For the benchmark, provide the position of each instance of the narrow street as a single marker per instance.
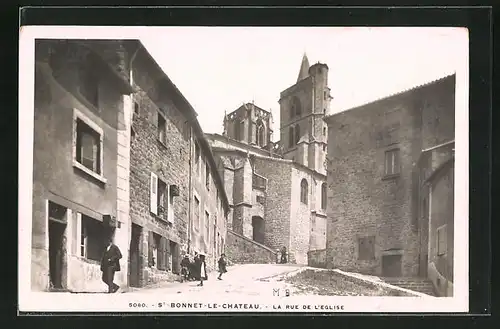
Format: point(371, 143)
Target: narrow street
point(247, 279)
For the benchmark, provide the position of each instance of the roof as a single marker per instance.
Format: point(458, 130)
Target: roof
point(399, 93)
point(246, 106)
point(185, 107)
point(304, 68)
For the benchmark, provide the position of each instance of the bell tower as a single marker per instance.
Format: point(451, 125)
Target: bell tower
point(303, 106)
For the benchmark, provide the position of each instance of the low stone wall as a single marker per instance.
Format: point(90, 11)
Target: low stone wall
point(241, 250)
point(443, 287)
point(154, 276)
point(316, 258)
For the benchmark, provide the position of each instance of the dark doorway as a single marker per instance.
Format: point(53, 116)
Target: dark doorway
point(135, 259)
point(258, 229)
point(174, 250)
point(392, 265)
point(57, 252)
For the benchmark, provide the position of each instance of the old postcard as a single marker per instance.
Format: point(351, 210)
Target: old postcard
point(169, 169)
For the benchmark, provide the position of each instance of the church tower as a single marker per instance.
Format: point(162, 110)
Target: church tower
point(249, 124)
point(303, 106)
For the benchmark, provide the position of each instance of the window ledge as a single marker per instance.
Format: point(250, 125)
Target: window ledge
point(391, 176)
point(89, 172)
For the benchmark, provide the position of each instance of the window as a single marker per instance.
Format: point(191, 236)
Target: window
point(87, 146)
point(162, 129)
point(207, 226)
point(291, 139)
point(136, 108)
point(196, 222)
point(260, 134)
point(441, 241)
point(161, 200)
point(261, 199)
point(303, 191)
point(323, 196)
point(296, 108)
point(93, 238)
point(324, 131)
point(324, 147)
point(392, 162)
point(207, 175)
point(297, 133)
point(325, 95)
point(132, 136)
point(366, 248)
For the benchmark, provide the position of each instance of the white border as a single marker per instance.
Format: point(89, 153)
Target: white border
point(32, 301)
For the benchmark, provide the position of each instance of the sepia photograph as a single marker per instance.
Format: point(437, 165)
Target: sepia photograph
point(243, 169)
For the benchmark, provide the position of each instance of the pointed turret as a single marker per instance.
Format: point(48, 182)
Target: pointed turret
point(304, 68)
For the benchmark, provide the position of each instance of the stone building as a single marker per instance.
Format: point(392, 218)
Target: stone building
point(81, 154)
point(277, 191)
point(390, 185)
point(178, 203)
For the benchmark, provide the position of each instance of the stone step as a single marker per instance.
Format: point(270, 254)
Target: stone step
point(416, 284)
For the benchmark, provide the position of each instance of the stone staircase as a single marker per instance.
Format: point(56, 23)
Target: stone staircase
point(422, 285)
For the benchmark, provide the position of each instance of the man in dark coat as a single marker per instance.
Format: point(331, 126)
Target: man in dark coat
point(222, 266)
point(202, 269)
point(110, 263)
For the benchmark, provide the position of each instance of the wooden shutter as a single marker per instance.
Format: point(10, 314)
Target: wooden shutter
point(168, 256)
point(161, 254)
point(75, 243)
point(153, 199)
point(151, 242)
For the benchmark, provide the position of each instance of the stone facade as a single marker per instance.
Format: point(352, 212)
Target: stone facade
point(243, 250)
point(264, 180)
point(317, 258)
point(374, 169)
point(80, 139)
point(177, 206)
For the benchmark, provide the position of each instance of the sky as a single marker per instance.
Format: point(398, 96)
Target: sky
point(219, 68)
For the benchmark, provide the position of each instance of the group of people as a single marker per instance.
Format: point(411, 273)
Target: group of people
point(191, 270)
point(196, 268)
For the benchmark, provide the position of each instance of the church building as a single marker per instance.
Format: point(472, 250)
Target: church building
point(277, 190)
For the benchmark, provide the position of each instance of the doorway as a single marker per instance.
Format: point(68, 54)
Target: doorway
point(135, 259)
point(258, 229)
point(57, 253)
point(392, 266)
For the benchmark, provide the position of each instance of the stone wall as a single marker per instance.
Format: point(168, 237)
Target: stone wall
point(241, 250)
point(362, 200)
point(316, 258)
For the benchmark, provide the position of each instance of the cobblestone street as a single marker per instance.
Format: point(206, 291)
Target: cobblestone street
point(248, 279)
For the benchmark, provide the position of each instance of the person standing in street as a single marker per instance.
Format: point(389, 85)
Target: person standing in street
point(283, 255)
point(202, 269)
point(185, 268)
point(222, 266)
point(110, 263)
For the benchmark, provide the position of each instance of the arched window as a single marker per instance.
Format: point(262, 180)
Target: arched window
point(297, 133)
point(237, 129)
point(291, 139)
point(260, 134)
point(323, 196)
point(296, 107)
point(303, 191)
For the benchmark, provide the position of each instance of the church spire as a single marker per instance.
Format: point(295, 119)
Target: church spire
point(304, 68)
